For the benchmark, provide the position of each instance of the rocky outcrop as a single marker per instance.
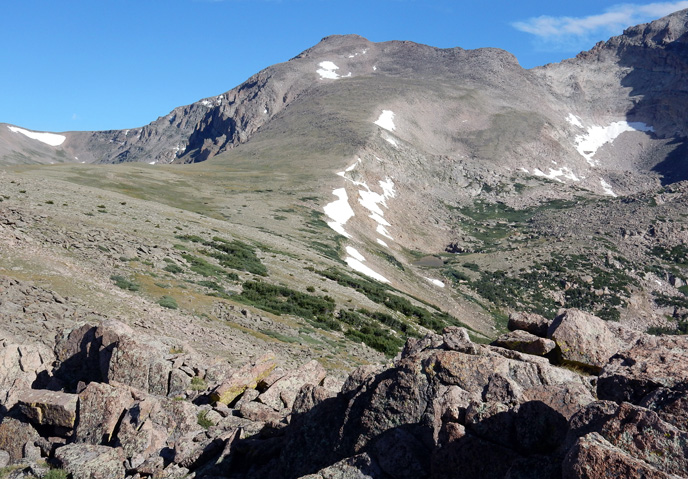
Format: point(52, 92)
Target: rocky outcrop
point(445, 405)
point(651, 363)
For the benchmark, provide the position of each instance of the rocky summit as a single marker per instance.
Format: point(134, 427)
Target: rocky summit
point(375, 260)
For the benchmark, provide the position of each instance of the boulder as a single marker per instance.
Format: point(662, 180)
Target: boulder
point(457, 339)
point(283, 392)
point(529, 322)
point(592, 457)
point(248, 376)
point(653, 362)
point(525, 342)
point(86, 461)
point(256, 411)
point(583, 340)
point(360, 466)
point(112, 352)
point(635, 432)
point(101, 406)
point(310, 396)
point(401, 455)
point(48, 408)
point(14, 434)
point(21, 365)
point(670, 404)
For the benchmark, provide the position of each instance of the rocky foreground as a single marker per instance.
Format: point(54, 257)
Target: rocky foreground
point(574, 397)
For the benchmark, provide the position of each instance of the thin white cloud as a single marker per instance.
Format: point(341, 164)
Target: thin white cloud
point(566, 31)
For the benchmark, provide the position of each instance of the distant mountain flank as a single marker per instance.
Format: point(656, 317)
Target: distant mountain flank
point(617, 107)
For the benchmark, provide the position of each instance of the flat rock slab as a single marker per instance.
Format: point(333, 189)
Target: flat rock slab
point(525, 342)
point(50, 408)
point(247, 377)
point(86, 461)
point(530, 322)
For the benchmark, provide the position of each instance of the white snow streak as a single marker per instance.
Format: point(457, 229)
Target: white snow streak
point(574, 120)
point(392, 142)
point(383, 231)
point(386, 120)
point(555, 174)
point(380, 242)
point(436, 282)
point(354, 253)
point(361, 268)
point(607, 188)
point(51, 139)
point(327, 70)
point(339, 211)
point(588, 144)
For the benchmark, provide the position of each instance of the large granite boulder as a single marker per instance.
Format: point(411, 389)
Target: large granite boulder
point(583, 340)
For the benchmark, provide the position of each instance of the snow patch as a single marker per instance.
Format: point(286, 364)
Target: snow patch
point(379, 219)
point(380, 242)
point(392, 142)
point(383, 231)
point(206, 103)
point(436, 282)
point(597, 136)
point(373, 202)
point(607, 188)
point(339, 212)
point(353, 252)
point(524, 170)
point(555, 174)
point(327, 70)
point(51, 139)
point(361, 268)
point(386, 120)
point(574, 120)
point(152, 162)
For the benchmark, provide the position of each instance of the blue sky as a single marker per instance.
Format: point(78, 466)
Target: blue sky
point(113, 64)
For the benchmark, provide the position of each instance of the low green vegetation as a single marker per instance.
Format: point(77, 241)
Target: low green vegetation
point(598, 287)
point(173, 268)
point(233, 254)
point(203, 421)
point(283, 300)
point(382, 294)
point(204, 268)
point(361, 327)
point(168, 302)
point(124, 283)
point(198, 384)
point(676, 254)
